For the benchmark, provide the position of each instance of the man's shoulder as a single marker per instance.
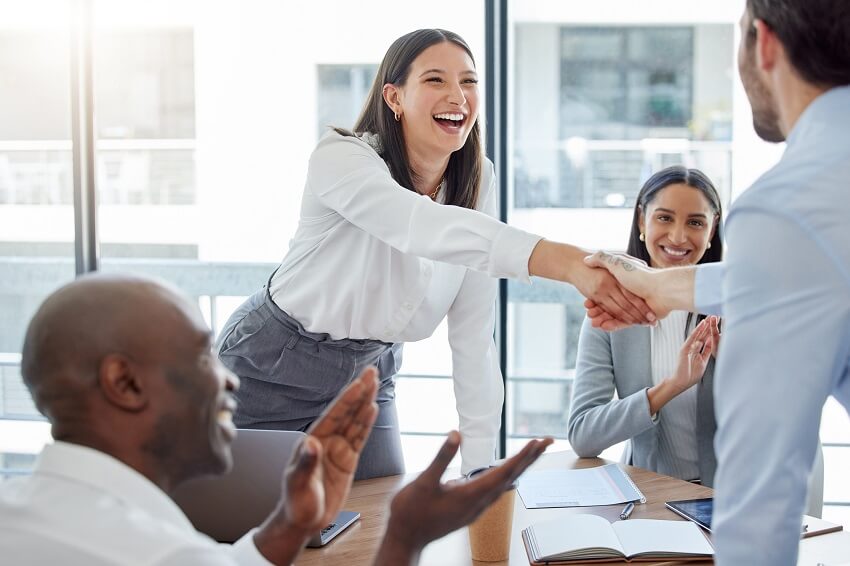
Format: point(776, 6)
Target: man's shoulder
point(806, 187)
point(48, 517)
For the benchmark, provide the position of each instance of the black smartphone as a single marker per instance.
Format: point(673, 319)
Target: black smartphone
point(342, 521)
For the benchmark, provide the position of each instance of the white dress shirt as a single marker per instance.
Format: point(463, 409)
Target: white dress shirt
point(81, 507)
point(785, 296)
point(677, 436)
point(373, 260)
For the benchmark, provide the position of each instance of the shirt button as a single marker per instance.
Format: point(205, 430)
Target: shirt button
point(408, 306)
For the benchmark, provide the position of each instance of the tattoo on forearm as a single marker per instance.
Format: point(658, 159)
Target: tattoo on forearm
point(615, 260)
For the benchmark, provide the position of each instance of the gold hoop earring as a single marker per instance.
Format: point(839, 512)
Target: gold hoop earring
point(641, 237)
point(397, 116)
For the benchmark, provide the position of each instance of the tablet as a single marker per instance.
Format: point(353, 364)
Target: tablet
point(696, 510)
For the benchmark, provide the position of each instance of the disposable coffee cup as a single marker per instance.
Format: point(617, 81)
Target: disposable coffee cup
point(490, 534)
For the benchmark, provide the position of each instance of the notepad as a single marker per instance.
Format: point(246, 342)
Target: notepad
point(603, 485)
point(591, 537)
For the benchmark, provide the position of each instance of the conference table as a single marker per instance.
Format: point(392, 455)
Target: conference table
point(359, 543)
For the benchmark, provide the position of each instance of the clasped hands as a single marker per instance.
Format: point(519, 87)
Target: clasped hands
point(622, 290)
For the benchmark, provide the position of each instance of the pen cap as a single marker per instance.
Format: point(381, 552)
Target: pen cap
point(478, 471)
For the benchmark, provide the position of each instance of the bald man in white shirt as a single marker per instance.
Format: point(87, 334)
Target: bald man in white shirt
point(124, 370)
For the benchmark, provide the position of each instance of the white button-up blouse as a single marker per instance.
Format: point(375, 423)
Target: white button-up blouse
point(373, 260)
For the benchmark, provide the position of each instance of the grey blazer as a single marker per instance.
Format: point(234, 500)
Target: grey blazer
point(609, 361)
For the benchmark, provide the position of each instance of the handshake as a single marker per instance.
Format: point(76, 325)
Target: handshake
point(622, 290)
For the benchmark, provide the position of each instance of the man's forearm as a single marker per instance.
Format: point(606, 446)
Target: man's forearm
point(675, 288)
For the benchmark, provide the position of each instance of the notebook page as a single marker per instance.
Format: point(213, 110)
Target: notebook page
point(573, 533)
point(641, 536)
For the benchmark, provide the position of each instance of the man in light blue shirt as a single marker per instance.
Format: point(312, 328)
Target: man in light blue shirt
point(784, 288)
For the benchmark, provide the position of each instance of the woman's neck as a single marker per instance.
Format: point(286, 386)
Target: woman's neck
point(429, 170)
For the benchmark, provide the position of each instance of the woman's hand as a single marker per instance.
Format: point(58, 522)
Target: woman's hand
point(695, 353)
point(663, 289)
point(563, 262)
point(603, 291)
point(693, 359)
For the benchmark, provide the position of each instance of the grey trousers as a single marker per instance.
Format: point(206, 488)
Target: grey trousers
point(289, 376)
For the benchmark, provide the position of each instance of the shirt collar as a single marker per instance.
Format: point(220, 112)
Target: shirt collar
point(91, 467)
point(824, 108)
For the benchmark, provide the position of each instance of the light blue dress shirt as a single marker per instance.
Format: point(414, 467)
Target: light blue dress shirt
point(785, 295)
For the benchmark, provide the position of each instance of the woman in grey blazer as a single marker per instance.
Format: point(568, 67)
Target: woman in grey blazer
point(662, 375)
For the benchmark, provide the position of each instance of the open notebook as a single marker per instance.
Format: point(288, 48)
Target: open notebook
point(591, 537)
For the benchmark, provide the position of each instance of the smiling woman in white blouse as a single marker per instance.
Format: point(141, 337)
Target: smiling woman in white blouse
point(397, 232)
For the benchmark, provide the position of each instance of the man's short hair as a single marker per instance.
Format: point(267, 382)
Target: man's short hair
point(815, 34)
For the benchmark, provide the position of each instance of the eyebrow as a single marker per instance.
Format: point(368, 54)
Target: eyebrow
point(695, 214)
point(443, 71)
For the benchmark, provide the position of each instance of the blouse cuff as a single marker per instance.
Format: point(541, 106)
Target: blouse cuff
point(476, 453)
point(653, 419)
point(510, 253)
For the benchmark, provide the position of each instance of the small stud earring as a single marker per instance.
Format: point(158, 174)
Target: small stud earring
point(643, 239)
point(708, 246)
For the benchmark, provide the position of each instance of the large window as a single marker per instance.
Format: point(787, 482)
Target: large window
point(205, 117)
point(597, 108)
point(206, 113)
point(602, 96)
point(36, 213)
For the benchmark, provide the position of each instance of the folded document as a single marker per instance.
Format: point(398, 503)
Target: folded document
point(603, 485)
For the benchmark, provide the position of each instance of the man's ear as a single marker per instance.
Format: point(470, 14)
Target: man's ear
point(767, 46)
point(392, 96)
point(121, 383)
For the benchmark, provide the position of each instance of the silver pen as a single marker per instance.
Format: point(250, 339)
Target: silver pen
point(627, 510)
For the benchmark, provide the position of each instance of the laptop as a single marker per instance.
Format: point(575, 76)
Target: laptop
point(228, 506)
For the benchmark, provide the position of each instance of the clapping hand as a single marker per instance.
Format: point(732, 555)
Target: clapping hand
point(695, 353)
point(319, 475)
point(427, 509)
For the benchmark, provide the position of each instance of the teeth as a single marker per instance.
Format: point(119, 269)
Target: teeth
point(672, 251)
point(448, 116)
point(224, 417)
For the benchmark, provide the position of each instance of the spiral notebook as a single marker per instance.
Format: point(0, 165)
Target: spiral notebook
point(603, 485)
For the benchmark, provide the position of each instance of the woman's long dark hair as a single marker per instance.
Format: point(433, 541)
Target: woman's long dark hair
point(463, 173)
point(678, 175)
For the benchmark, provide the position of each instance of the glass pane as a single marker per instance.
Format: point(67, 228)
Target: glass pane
point(207, 114)
point(604, 96)
point(836, 462)
point(36, 195)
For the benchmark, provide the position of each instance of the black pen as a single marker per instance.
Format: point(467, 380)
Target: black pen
point(627, 510)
